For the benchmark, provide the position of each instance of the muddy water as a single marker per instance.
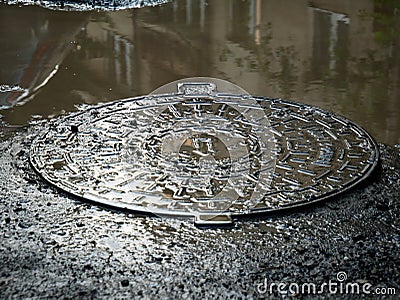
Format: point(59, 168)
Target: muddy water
point(344, 57)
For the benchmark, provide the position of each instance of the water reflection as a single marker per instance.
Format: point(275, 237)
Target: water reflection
point(83, 5)
point(33, 44)
point(341, 56)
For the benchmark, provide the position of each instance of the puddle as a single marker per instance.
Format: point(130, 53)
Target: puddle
point(343, 59)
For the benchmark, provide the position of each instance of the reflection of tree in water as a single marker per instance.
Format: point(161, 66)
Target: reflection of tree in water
point(377, 73)
point(386, 17)
point(366, 81)
point(278, 64)
point(287, 76)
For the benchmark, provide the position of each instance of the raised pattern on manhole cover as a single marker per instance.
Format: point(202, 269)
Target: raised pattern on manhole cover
point(202, 153)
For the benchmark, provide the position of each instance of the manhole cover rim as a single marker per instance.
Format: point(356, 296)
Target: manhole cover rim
point(254, 211)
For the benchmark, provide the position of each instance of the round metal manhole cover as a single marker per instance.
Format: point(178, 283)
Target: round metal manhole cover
point(204, 153)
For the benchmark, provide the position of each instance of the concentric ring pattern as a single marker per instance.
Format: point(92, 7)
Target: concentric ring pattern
point(204, 154)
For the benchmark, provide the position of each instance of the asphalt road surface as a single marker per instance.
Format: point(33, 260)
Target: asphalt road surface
point(53, 246)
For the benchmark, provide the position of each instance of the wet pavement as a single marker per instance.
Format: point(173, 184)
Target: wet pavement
point(342, 58)
point(53, 246)
point(339, 56)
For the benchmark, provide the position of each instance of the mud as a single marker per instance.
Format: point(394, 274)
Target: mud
point(53, 246)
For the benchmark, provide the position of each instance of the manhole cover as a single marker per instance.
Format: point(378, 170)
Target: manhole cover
point(203, 153)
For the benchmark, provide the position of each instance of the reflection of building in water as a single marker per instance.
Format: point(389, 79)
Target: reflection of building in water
point(189, 38)
point(293, 42)
point(108, 51)
point(123, 66)
point(308, 50)
point(332, 28)
point(135, 55)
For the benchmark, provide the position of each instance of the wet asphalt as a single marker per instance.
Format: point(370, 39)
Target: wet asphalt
point(54, 246)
